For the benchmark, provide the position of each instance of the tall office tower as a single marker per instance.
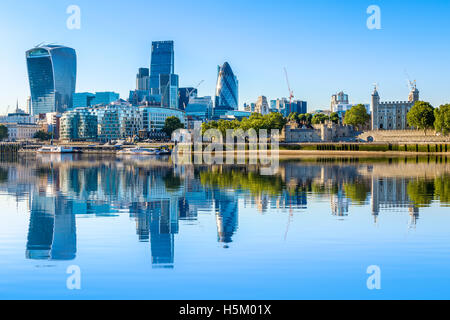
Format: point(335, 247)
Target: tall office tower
point(227, 97)
point(162, 62)
point(52, 71)
point(168, 84)
point(143, 80)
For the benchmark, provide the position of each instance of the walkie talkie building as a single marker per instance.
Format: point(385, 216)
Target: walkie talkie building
point(52, 73)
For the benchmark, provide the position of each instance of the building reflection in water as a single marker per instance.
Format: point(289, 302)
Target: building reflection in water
point(159, 196)
point(52, 229)
point(226, 210)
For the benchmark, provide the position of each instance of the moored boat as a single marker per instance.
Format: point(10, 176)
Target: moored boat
point(56, 149)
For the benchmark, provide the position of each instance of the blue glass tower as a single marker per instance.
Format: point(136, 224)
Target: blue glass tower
point(52, 73)
point(162, 62)
point(227, 96)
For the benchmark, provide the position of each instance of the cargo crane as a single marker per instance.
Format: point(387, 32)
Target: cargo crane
point(291, 93)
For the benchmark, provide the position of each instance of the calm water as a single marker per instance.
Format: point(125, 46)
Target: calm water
point(145, 228)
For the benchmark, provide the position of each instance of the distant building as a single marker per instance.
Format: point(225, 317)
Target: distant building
point(169, 90)
point(236, 115)
point(79, 124)
point(184, 95)
point(18, 117)
point(162, 63)
point(328, 132)
point(104, 98)
point(227, 91)
point(199, 109)
point(392, 115)
point(143, 80)
point(21, 131)
point(338, 99)
point(119, 120)
point(262, 107)
point(52, 76)
point(250, 107)
point(87, 99)
point(286, 108)
point(83, 99)
point(154, 117)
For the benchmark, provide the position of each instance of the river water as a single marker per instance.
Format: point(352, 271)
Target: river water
point(145, 228)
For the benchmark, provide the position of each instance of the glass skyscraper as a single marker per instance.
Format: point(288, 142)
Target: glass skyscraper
point(168, 84)
point(162, 62)
point(52, 73)
point(227, 97)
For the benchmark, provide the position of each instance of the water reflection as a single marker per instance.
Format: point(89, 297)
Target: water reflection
point(158, 195)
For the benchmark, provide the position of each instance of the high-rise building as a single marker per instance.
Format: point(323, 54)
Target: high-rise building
point(227, 94)
point(52, 76)
point(162, 62)
point(143, 80)
point(168, 84)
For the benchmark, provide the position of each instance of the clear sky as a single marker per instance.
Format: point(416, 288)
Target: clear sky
point(325, 45)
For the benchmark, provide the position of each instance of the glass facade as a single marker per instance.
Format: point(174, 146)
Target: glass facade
point(143, 79)
point(83, 99)
point(169, 90)
point(104, 98)
point(227, 95)
point(154, 118)
point(52, 76)
point(199, 109)
point(162, 62)
point(79, 124)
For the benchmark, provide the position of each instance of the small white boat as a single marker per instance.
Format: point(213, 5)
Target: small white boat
point(56, 149)
point(139, 151)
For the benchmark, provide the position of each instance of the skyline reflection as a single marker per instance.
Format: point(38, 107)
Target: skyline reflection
point(157, 195)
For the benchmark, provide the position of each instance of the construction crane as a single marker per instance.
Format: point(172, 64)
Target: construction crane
point(291, 93)
point(411, 84)
point(190, 92)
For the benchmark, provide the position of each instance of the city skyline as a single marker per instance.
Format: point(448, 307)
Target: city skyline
point(408, 42)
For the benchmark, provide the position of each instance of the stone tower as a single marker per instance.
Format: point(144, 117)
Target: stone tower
point(414, 94)
point(374, 102)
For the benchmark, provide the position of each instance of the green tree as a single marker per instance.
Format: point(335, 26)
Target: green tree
point(421, 116)
point(357, 191)
point(42, 135)
point(319, 118)
point(334, 117)
point(293, 116)
point(442, 119)
point(172, 124)
point(357, 116)
point(3, 132)
point(421, 192)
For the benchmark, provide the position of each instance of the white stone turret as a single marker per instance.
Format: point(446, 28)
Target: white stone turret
point(374, 102)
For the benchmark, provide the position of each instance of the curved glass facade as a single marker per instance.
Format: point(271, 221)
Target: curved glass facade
point(227, 97)
point(52, 76)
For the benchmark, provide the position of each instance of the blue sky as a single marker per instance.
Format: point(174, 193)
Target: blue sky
point(325, 45)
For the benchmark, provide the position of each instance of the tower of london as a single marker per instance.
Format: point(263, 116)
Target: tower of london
point(391, 115)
